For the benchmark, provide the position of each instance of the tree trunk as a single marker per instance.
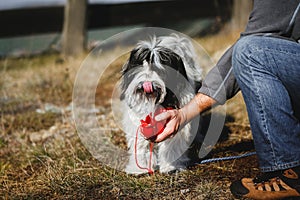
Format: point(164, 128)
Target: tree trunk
point(74, 28)
point(240, 13)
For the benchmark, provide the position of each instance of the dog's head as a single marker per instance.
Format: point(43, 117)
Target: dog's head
point(148, 75)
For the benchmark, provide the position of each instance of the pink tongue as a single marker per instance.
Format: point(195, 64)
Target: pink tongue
point(147, 85)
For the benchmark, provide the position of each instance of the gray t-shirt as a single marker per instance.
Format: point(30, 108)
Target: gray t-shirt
point(268, 17)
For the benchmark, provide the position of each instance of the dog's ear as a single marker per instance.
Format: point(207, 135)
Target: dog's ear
point(138, 55)
point(134, 60)
point(122, 84)
point(125, 67)
point(170, 58)
point(122, 96)
point(177, 62)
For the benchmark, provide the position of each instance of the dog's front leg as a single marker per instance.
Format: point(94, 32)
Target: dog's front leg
point(139, 158)
point(172, 152)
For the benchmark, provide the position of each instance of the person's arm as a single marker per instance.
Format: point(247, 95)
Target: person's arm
point(218, 85)
point(180, 117)
point(268, 17)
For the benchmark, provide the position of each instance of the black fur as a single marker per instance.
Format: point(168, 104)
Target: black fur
point(166, 58)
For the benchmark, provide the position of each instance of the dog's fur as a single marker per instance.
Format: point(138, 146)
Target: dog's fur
point(168, 63)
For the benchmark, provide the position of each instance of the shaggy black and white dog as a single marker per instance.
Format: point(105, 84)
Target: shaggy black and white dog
point(161, 72)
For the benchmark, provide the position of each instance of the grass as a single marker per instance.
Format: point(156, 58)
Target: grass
point(42, 157)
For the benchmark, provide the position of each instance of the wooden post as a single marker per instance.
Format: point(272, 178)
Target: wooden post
point(240, 13)
point(74, 28)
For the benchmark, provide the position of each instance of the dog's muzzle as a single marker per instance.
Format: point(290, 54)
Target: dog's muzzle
point(150, 89)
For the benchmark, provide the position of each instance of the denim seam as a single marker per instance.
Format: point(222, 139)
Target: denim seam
point(281, 166)
point(275, 50)
point(262, 112)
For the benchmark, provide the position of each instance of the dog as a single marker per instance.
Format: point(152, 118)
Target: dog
point(161, 73)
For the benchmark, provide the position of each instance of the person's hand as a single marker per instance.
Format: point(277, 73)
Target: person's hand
point(175, 119)
point(178, 118)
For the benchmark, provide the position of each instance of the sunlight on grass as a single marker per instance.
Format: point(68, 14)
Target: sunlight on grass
point(41, 155)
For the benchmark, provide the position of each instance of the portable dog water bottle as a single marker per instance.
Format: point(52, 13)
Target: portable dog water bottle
point(150, 128)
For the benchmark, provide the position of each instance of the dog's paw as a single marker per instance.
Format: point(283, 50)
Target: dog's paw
point(132, 170)
point(171, 169)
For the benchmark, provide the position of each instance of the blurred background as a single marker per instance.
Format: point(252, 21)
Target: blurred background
point(37, 26)
point(43, 44)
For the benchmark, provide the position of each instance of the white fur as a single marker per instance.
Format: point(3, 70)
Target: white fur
point(169, 154)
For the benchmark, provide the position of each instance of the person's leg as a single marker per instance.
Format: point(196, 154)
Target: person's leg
point(268, 73)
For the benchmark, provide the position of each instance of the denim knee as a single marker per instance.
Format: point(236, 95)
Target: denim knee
point(244, 49)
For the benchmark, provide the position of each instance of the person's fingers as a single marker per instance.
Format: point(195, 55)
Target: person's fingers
point(163, 116)
point(165, 134)
point(169, 130)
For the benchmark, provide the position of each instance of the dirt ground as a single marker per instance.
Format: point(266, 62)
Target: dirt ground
point(42, 156)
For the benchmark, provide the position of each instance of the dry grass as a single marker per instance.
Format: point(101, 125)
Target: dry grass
point(42, 157)
point(219, 42)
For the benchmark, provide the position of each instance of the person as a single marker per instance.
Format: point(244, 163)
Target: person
point(265, 65)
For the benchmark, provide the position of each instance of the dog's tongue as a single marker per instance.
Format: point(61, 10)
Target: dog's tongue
point(147, 85)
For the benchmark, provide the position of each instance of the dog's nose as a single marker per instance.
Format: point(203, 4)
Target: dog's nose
point(148, 87)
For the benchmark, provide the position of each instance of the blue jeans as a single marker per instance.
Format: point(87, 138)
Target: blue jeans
point(268, 72)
